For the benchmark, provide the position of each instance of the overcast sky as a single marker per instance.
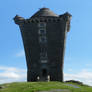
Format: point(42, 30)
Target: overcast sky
point(78, 54)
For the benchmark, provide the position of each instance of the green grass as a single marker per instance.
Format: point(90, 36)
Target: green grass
point(42, 86)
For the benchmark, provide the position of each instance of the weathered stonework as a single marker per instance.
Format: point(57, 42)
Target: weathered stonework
point(44, 36)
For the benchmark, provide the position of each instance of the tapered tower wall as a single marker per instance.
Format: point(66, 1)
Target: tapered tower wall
point(44, 43)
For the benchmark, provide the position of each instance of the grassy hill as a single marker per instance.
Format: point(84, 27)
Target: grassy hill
point(44, 87)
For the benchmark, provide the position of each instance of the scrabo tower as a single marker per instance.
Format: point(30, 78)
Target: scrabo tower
point(44, 36)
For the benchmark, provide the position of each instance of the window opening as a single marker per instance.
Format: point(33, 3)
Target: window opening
point(42, 31)
point(43, 39)
point(43, 54)
point(44, 61)
point(42, 24)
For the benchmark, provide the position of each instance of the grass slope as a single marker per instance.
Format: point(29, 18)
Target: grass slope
point(42, 86)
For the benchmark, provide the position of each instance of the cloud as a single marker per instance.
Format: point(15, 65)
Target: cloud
point(11, 74)
point(70, 70)
point(20, 53)
point(84, 76)
point(89, 65)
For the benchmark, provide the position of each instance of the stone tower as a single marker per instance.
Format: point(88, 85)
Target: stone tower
point(44, 36)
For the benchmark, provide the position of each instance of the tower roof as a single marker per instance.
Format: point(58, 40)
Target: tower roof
point(45, 12)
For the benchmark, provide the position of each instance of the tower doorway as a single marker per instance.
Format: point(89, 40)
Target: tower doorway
point(44, 75)
point(44, 72)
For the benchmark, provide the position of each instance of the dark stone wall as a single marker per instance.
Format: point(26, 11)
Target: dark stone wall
point(56, 28)
point(32, 49)
point(56, 38)
point(55, 33)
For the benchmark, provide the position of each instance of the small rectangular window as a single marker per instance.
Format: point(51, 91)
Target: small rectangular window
point(42, 24)
point(44, 61)
point(42, 31)
point(43, 54)
point(43, 49)
point(42, 39)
